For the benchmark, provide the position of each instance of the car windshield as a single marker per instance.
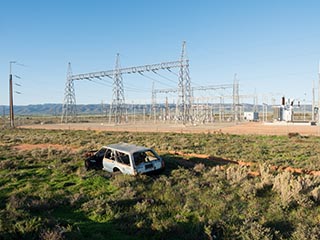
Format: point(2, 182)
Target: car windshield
point(145, 156)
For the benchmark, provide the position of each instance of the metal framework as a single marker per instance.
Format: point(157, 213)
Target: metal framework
point(128, 70)
point(236, 107)
point(236, 100)
point(69, 112)
point(153, 99)
point(192, 90)
point(184, 85)
point(117, 106)
point(203, 88)
point(118, 101)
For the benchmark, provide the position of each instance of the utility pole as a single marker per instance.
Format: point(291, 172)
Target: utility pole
point(4, 116)
point(11, 95)
point(304, 107)
point(313, 101)
point(319, 94)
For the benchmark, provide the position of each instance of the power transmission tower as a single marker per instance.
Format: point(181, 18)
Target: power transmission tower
point(69, 112)
point(236, 101)
point(153, 100)
point(313, 101)
point(118, 93)
point(167, 110)
point(184, 88)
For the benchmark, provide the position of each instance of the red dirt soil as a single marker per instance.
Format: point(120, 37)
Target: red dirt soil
point(28, 147)
point(255, 128)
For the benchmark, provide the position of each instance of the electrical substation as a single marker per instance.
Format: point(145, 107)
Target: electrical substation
point(189, 106)
point(186, 103)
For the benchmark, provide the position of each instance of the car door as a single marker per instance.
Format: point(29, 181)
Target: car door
point(122, 162)
point(109, 160)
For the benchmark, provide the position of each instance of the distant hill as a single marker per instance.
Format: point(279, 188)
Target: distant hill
point(55, 109)
point(52, 109)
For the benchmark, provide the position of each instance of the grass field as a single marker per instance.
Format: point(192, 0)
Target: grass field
point(45, 193)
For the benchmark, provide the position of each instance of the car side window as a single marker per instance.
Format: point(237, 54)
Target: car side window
point(139, 157)
point(108, 154)
point(123, 158)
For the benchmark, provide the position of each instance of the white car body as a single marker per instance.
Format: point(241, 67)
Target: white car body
point(129, 159)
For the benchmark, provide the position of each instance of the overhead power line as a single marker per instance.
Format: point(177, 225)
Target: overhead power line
point(166, 78)
point(153, 79)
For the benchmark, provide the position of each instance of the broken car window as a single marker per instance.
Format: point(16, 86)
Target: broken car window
point(140, 157)
point(108, 154)
point(123, 158)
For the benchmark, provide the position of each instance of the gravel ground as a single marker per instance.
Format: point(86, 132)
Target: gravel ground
point(232, 128)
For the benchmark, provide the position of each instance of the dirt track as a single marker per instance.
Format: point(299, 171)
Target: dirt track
point(232, 128)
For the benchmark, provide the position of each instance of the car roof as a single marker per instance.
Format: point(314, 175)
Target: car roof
point(126, 147)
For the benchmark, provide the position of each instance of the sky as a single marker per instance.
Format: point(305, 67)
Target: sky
point(272, 46)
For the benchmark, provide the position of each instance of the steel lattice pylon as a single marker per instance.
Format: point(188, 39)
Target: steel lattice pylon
point(118, 101)
point(184, 87)
point(236, 100)
point(153, 100)
point(188, 92)
point(69, 112)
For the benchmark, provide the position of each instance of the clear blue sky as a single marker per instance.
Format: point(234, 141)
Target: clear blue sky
point(273, 46)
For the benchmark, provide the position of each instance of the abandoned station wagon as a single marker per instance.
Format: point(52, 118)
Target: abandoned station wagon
point(126, 158)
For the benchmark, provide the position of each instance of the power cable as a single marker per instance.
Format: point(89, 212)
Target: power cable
point(172, 72)
point(100, 83)
point(104, 80)
point(165, 77)
point(127, 88)
point(154, 80)
point(193, 83)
